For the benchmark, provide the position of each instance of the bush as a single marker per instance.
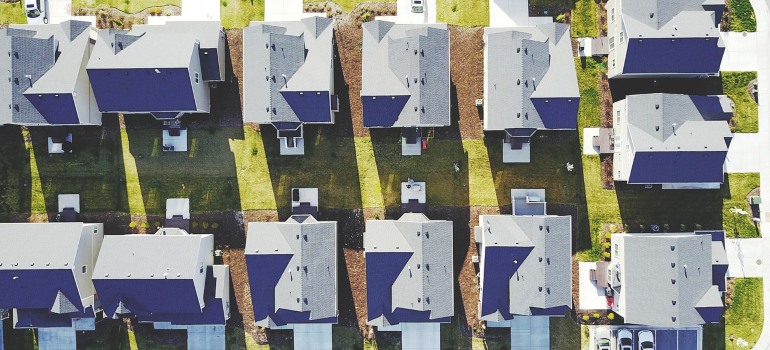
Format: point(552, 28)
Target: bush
point(561, 18)
point(586, 317)
point(224, 3)
point(611, 316)
point(132, 224)
point(366, 17)
point(214, 225)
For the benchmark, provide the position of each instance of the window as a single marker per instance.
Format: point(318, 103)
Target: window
point(613, 63)
point(622, 36)
point(84, 269)
point(612, 16)
point(616, 250)
point(200, 269)
point(196, 77)
point(612, 43)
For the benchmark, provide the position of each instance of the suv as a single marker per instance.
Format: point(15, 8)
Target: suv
point(625, 341)
point(35, 10)
point(602, 337)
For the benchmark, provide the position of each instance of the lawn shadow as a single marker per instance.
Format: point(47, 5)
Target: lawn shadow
point(15, 194)
point(206, 173)
point(564, 189)
point(670, 210)
point(94, 170)
point(621, 88)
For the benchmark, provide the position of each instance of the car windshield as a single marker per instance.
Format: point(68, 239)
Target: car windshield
point(647, 345)
point(604, 342)
point(625, 341)
point(34, 13)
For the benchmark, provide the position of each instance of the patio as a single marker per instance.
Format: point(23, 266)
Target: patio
point(592, 293)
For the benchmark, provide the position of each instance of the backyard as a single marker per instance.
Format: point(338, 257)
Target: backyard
point(11, 13)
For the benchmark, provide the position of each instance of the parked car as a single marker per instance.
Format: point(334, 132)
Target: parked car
point(417, 6)
point(602, 337)
point(625, 342)
point(646, 340)
point(35, 10)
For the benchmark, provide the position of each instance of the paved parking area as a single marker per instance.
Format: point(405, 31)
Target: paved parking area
point(689, 338)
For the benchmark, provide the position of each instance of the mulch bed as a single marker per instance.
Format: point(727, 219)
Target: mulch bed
point(608, 181)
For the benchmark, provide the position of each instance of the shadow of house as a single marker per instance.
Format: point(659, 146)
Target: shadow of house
point(621, 88)
point(15, 196)
point(641, 208)
point(94, 169)
point(551, 151)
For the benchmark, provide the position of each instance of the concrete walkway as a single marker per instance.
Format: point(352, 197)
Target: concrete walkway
point(740, 51)
point(744, 257)
point(742, 156)
point(762, 13)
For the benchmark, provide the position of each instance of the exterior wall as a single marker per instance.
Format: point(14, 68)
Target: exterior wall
point(200, 88)
point(624, 147)
point(91, 239)
point(205, 259)
point(85, 102)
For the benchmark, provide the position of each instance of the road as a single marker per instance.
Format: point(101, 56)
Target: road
point(762, 12)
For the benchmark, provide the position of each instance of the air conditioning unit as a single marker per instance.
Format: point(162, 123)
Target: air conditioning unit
point(475, 259)
point(4, 314)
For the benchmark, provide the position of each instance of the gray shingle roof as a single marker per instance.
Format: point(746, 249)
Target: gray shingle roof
point(41, 59)
point(544, 279)
point(35, 246)
point(153, 46)
point(668, 122)
point(680, 18)
point(420, 52)
point(313, 248)
point(664, 277)
point(300, 50)
point(431, 245)
point(524, 63)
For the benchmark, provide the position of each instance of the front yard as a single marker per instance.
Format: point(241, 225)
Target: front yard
point(740, 16)
point(12, 13)
point(736, 85)
point(744, 319)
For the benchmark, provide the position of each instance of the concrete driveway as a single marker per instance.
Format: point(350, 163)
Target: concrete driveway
point(744, 257)
point(740, 51)
point(513, 13)
point(742, 156)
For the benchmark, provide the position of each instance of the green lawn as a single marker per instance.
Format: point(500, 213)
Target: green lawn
point(735, 85)
point(467, 13)
point(745, 317)
point(12, 13)
point(585, 19)
point(741, 16)
point(347, 5)
point(565, 334)
point(238, 13)
point(128, 6)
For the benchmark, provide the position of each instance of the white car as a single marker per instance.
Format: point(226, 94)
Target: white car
point(646, 340)
point(35, 10)
point(625, 341)
point(602, 337)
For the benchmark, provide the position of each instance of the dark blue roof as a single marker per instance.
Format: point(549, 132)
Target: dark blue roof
point(209, 64)
point(310, 106)
point(382, 269)
point(43, 318)
point(498, 270)
point(679, 55)
point(557, 113)
point(146, 297)
point(143, 90)
point(677, 167)
point(382, 111)
point(710, 314)
point(710, 107)
point(213, 312)
point(264, 271)
point(36, 289)
point(55, 108)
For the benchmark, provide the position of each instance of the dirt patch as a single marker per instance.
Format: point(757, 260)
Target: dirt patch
point(602, 18)
point(467, 72)
point(607, 118)
point(608, 181)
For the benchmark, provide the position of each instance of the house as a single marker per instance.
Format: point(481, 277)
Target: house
point(530, 84)
point(44, 74)
point(45, 279)
point(166, 70)
point(405, 79)
point(668, 279)
point(679, 141)
point(409, 275)
point(664, 38)
point(525, 261)
point(168, 279)
point(292, 270)
point(288, 77)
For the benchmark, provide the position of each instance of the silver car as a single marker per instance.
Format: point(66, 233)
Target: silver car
point(35, 11)
point(625, 341)
point(602, 337)
point(646, 340)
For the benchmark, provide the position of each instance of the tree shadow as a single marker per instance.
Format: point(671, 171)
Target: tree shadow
point(15, 193)
point(564, 189)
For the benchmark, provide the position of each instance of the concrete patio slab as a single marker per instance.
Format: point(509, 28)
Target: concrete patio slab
point(591, 296)
point(175, 143)
point(588, 141)
point(742, 156)
point(530, 332)
point(69, 201)
point(744, 257)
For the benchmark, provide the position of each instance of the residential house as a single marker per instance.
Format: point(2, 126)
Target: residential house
point(525, 261)
point(405, 79)
point(668, 279)
point(409, 276)
point(530, 84)
point(679, 141)
point(44, 72)
point(166, 70)
point(292, 269)
point(664, 38)
point(288, 77)
point(45, 279)
point(168, 279)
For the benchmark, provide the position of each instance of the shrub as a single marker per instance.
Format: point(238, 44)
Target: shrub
point(224, 3)
point(156, 223)
point(131, 224)
point(366, 17)
point(214, 225)
point(561, 18)
point(586, 317)
point(116, 23)
point(611, 316)
point(607, 255)
point(205, 225)
point(254, 151)
point(596, 315)
point(145, 225)
point(195, 224)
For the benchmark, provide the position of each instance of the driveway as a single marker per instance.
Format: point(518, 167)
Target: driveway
point(744, 257)
point(742, 156)
point(689, 338)
point(61, 10)
point(513, 13)
point(531, 333)
point(740, 51)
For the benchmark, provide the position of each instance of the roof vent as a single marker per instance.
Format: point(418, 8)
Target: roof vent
point(657, 106)
point(518, 81)
point(673, 281)
point(673, 302)
point(539, 289)
point(657, 127)
point(673, 265)
point(541, 227)
point(673, 318)
point(540, 259)
point(518, 49)
point(652, 14)
point(672, 248)
point(518, 115)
